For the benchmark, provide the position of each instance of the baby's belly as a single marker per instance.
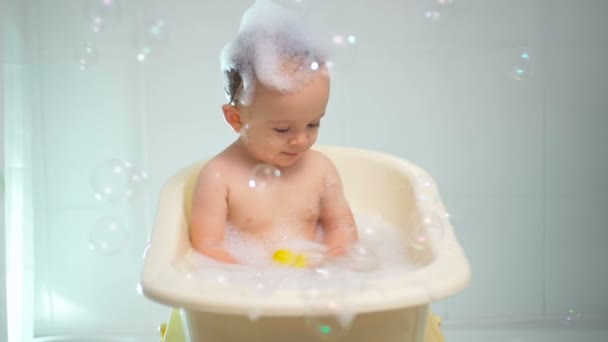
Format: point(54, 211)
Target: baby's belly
point(275, 231)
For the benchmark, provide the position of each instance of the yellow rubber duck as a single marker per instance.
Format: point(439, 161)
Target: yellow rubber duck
point(289, 258)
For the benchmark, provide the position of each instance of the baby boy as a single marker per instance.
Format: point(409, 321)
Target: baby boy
point(277, 85)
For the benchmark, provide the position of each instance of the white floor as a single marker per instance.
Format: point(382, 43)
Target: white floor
point(525, 336)
point(530, 331)
point(469, 331)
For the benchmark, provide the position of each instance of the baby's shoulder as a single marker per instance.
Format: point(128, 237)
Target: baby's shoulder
point(215, 168)
point(321, 162)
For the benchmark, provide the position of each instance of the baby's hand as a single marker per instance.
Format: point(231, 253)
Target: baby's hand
point(337, 251)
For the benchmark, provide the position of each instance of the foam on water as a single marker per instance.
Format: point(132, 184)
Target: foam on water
point(380, 252)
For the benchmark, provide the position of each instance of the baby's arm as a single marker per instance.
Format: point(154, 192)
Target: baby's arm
point(209, 213)
point(336, 217)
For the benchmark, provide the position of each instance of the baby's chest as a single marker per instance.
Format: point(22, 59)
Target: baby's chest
point(274, 204)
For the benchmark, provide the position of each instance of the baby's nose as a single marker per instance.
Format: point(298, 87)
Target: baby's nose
point(299, 139)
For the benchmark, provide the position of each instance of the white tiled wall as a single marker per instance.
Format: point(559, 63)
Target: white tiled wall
point(521, 164)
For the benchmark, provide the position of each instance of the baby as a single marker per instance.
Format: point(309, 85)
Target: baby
point(277, 85)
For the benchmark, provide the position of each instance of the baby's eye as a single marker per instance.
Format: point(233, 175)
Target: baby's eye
point(314, 124)
point(281, 130)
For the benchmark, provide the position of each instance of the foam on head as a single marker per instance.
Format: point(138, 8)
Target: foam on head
point(274, 47)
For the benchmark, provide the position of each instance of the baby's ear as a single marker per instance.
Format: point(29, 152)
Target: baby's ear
point(232, 117)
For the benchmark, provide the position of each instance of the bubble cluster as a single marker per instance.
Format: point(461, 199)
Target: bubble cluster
point(114, 180)
point(107, 236)
point(434, 217)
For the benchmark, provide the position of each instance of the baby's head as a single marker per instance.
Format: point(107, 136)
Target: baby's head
point(276, 83)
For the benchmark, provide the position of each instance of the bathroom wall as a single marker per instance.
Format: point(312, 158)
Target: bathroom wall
point(3, 306)
point(502, 101)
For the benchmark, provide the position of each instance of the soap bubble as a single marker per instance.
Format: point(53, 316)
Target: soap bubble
point(263, 175)
point(419, 242)
point(142, 53)
point(150, 37)
point(435, 223)
point(107, 236)
point(157, 29)
point(570, 316)
point(96, 24)
point(368, 232)
point(437, 8)
point(114, 180)
point(87, 56)
point(521, 66)
point(425, 190)
point(362, 259)
point(342, 40)
point(520, 72)
point(434, 16)
point(102, 13)
point(338, 39)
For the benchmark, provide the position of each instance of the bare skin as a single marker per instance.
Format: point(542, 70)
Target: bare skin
point(278, 130)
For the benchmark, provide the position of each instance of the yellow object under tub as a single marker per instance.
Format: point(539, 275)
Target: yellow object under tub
point(392, 309)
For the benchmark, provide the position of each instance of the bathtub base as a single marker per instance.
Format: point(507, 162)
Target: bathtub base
point(401, 325)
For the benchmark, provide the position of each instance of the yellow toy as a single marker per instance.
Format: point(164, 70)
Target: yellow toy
point(289, 258)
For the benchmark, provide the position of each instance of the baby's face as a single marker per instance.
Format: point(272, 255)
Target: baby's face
point(279, 127)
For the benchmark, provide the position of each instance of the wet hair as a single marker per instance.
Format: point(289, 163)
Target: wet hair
point(274, 47)
point(232, 84)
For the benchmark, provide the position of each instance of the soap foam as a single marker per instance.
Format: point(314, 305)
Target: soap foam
point(275, 47)
point(379, 253)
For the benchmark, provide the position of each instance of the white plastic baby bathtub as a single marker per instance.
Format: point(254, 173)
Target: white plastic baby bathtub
point(391, 309)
